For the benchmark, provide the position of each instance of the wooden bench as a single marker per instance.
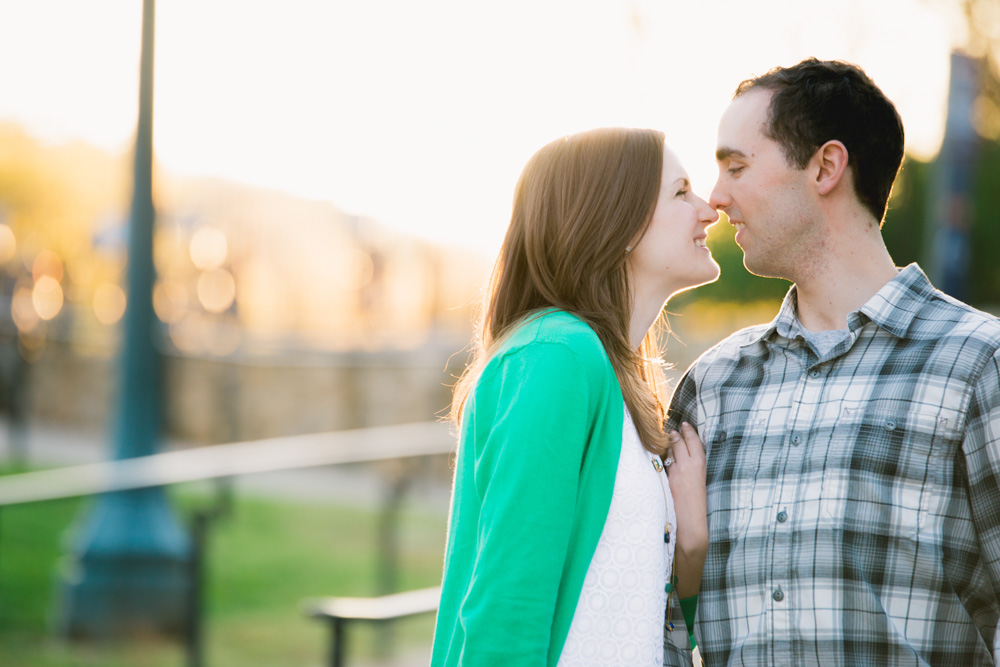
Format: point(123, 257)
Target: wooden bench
point(341, 611)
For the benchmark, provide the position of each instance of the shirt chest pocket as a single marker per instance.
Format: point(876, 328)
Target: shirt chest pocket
point(885, 467)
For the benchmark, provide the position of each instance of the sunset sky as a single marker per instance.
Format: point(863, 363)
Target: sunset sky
point(421, 114)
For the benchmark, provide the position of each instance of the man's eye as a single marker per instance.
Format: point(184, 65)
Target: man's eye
point(735, 170)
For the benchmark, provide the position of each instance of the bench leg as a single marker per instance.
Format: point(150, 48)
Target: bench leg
point(337, 643)
point(195, 649)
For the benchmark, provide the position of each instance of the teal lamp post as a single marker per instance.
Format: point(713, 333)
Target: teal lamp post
point(127, 573)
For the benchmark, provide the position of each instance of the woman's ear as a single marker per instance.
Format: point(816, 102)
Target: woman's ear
point(830, 162)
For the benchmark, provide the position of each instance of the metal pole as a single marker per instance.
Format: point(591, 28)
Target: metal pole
point(128, 573)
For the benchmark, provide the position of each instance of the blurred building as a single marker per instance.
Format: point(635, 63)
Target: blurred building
point(280, 315)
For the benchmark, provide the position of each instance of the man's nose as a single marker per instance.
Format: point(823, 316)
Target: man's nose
point(706, 212)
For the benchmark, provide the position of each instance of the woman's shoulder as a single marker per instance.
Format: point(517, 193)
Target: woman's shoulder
point(550, 331)
point(546, 353)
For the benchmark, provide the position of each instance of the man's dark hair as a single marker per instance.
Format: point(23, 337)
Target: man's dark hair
point(817, 101)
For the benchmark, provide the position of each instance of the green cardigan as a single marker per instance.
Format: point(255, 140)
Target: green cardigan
point(538, 454)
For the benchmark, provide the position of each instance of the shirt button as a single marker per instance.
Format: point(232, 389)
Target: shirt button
point(720, 436)
point(814, 373)
point(782, 516)
point(796, 439)
point(890, 425)
point(778, 595)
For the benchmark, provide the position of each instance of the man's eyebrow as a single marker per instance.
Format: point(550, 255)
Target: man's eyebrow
point(726, 153)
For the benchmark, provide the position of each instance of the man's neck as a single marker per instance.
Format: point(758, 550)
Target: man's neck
point(840, 284)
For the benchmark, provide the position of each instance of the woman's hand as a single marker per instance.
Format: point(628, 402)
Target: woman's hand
point(687, 486)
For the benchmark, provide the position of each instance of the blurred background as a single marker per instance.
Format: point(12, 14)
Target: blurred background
point(332, 181)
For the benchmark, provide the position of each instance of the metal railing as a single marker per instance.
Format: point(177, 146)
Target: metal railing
point(221, 462)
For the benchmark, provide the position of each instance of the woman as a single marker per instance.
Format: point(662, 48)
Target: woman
point(563, 524)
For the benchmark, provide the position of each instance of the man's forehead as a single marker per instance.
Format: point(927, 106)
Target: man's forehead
point(749, 109)
point(743, 123)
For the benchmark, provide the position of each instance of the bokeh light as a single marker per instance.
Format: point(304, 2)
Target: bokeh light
point(208, 248)
point(171, 250)
point(224, 340)
point(22, 308)
point(47, 264)
point(216, 290)
point(8, 244)
point(170, 300)
point(190, 334)
point(47, 297)
point(109, 303)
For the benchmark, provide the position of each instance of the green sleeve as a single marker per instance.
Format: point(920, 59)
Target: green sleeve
point(689, 606)
point(527, 468)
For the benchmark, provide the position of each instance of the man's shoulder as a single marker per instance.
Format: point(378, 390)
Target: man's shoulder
point(911, 307)
point(944, 317)
point(708, 371)
point(734, 345)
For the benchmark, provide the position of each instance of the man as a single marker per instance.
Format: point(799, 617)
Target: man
point(853, 460)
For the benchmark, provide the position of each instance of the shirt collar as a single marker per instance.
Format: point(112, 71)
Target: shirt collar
point(893, 307)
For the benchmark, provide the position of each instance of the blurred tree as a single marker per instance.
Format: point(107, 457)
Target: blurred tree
point(976, 32)
point(938, 205)
point(905, 225)
point(984, 281)
point(28, 191)
point(55, 193)
point(905, 229)
point(982, 41)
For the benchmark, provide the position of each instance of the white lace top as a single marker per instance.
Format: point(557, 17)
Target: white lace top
point(619, 617)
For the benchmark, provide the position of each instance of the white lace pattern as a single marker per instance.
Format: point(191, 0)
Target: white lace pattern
point(619, 617)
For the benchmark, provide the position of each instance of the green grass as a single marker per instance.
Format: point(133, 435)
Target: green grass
point(262, 561)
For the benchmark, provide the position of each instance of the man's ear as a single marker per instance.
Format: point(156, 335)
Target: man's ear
point(831, 162)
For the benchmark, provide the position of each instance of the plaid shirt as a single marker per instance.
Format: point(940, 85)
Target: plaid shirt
point(853, 498)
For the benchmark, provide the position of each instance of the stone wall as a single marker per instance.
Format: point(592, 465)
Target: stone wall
point(214, 400)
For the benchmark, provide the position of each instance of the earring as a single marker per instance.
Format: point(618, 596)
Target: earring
point(628, 249)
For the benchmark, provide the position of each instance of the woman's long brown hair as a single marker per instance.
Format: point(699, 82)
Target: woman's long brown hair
point(580, 201)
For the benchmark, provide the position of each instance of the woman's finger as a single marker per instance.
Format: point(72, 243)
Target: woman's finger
point(692, 440)
point(687, 449)
point(675, 440)
point(681, 444)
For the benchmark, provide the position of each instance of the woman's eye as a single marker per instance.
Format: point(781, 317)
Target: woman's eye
point(681, 193)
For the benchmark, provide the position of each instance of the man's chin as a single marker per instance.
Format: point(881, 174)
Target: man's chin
point(760, 269)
